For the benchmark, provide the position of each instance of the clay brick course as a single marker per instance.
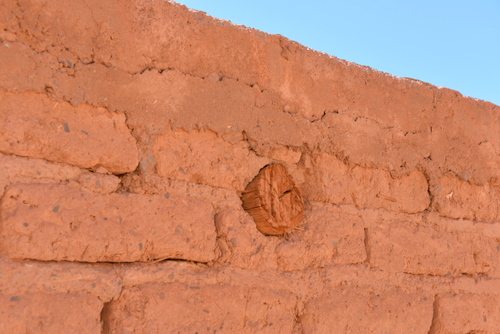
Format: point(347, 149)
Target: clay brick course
point(128, 131)
point(205, 158)
point(330, 180)
point(460, 199)
point(17, 169)
point(50, 313)
point(327, 237)
point(160, 308)
point(56, 223)
point(401, 246)
point(34, 126)
point(359, 310)
point(467, 313)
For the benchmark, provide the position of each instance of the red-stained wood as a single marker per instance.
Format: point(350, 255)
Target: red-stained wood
point(273, 201)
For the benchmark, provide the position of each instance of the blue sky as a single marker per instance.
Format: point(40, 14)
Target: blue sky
point(455, 44)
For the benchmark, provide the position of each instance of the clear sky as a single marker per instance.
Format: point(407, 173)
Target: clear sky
point(454, 44)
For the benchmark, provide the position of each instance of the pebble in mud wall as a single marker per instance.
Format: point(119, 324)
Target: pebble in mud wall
point(129, 130)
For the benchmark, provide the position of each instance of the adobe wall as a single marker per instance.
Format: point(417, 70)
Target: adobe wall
point(128, 131)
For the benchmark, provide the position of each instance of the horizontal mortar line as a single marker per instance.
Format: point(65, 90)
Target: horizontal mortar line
point(114, 67)
point(461, 275)
point(160, 71)
point(285, 276)
point(89, 169)
point(97, 263)
point(152, 192)
point(63, 99)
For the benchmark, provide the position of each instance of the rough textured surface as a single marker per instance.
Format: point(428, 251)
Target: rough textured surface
point(460, 199)
point(25, 170)
point(162, 308)
point(44, 313)
point(467, 313)
point(405, 247)
point(361, 310)
point(329, 236)
point(56, 223)
point(331, 180)
point(203, 157)
point(35, 126)
point(160, 115)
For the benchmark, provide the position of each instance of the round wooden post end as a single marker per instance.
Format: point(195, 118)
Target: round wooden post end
point(273, 201)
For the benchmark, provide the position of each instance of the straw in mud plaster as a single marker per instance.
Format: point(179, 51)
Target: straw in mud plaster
point(273, 201)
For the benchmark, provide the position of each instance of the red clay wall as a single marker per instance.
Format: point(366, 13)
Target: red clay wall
point(128, 131)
